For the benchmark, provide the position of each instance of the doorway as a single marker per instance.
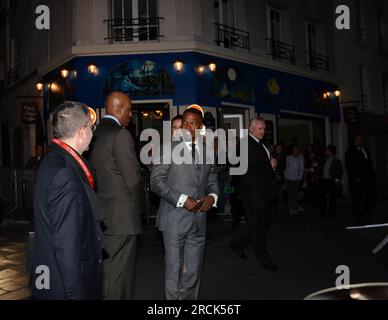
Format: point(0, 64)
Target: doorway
point(301, 130)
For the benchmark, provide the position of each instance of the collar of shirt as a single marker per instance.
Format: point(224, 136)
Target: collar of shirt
point(254, 138)
point(188, 144)
point(108, 116)
point(265, 148)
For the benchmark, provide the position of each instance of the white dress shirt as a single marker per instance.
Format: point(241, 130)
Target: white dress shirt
point(108, 116)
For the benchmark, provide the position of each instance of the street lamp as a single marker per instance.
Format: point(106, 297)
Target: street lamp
point(64, 73)
point(39, 85)
point(178, 66)
point(212, 67)
point(93, 70)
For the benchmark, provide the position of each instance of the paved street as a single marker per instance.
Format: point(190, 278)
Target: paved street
point(307, 249)
point(13, 275)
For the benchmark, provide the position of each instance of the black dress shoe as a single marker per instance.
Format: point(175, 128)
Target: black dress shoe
point(239, 253)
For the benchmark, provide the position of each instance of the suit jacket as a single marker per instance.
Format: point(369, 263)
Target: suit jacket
point(119, 184)
point(358, 167)
point(257, 183)
point(170, 181)
point(336, 170)
point(67, 233)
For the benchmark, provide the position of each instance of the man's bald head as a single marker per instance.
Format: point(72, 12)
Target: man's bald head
point(119, 105)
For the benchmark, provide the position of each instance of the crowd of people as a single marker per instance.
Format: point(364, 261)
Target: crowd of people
point(89, 194)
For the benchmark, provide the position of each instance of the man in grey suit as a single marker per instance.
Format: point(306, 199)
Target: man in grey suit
point(187, 192)
point(119, 189)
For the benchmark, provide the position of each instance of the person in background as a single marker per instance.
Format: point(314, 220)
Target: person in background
point(312, 176)
point(176, 126)
point(255, 193)
point(271, 149)
point(361, 177)
point(34, 162)
point(280, 157)
point(330, 184)
point(293, 178)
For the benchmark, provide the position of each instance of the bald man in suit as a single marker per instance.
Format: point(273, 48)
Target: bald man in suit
point(120, 191)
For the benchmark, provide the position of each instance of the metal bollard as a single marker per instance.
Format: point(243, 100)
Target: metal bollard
point(30, 250)
point(24, 195)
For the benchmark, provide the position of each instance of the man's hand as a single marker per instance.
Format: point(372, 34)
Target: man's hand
point(207, 203)
point(190, 204)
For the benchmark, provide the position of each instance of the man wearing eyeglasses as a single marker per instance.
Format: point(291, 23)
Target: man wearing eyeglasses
point(120, 191)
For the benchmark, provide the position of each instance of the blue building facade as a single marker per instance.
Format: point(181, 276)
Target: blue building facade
point(153, 77)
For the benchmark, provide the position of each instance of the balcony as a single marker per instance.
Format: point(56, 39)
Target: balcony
point(231, 38)
point(281, 51)
point(318, 62)
point(130, 30)
point(13, 75)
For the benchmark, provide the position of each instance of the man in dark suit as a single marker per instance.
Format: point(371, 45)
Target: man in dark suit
point(67, 251)
point(255, 192)
point(120, 190)
point(330, 184)
point(361, 177)
point(188, 191)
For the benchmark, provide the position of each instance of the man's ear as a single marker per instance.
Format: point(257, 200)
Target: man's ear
point(203, 130)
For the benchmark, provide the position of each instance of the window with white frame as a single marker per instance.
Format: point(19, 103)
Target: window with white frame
point(134, 20)
point(274, 24)
point(315, 49)
point(278, 34)
point(224, 12)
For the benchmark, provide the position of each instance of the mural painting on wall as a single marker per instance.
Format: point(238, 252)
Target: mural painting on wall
point(316, 103)
point(139, 78)
point(280, 96)
point(229, 84)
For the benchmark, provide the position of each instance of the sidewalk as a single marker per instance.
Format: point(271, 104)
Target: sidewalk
point(13, 275)
point(308, 250)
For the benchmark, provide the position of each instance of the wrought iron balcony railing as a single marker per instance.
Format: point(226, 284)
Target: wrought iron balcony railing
point(318, 62)
point(231, 38)
point(13, 75)
point(281, 51)
point(140, 29)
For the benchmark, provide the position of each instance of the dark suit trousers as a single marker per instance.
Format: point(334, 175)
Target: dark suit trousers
point(364, 197)
point(258, 218)
point(183, 259)
point(119, 267)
